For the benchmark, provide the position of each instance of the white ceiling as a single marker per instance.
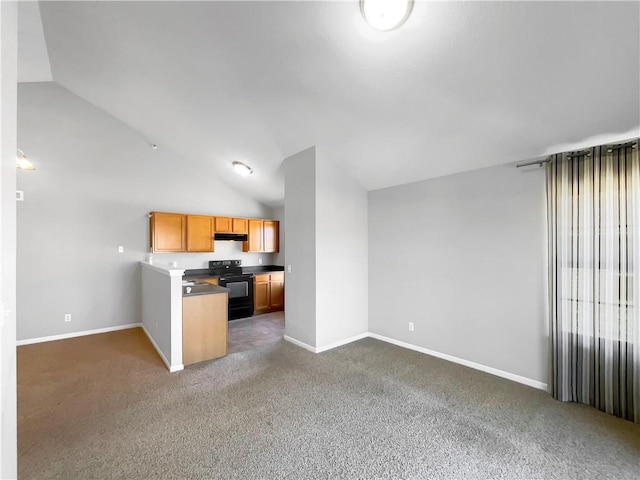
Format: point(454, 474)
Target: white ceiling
point(460, 86)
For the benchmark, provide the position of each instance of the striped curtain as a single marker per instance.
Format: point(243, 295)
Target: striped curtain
point(593, 211)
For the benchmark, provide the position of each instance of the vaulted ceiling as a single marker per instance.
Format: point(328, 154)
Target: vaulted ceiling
point(461, 85)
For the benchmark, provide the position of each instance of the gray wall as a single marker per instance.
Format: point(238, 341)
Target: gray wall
point(278, 214)
point(463, 257)
point(341, 254)
point(300, 233)
point(95, 183)
point(8, 81)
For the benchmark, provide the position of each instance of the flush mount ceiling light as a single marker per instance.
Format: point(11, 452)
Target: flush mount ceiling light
point(386, 14)
point(242, 169)
point(22, 162)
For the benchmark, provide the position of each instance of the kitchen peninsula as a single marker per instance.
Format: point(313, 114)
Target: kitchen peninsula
point(178, 332)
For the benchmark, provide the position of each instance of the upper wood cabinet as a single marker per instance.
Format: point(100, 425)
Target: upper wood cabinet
point(224, 225)
point(254, 244)
point(199, 233)
point(270, 236)
point(167, 232)
point(240, 225)
point(179, 232)
point(263, 236)
point(231, 225)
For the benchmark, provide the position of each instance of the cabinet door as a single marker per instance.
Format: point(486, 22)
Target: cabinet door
point(168, 232)
point(240, 225)
point(255, 237)
point(224, 225)
point(199, 233)
point(277, 292)
point(270, 236)
point(261, 295)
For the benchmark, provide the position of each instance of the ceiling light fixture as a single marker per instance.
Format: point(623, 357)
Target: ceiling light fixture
point(386, 14)
point(242, 169)
point(22, 162)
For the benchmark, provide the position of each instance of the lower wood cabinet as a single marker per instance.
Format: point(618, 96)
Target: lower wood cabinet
point(268, 292)
point(204, 327)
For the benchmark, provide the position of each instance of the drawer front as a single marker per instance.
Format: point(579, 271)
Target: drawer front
point(263, 278)
point(278, 277)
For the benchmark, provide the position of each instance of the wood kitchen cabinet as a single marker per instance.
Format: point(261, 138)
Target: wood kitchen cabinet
point(231, 225)
point(270, 236)
point(204, 327)
point(263, 236)
point(167, 232)
point(199, 233)
point(268, 292)
point(180, 232)
point(254, 243)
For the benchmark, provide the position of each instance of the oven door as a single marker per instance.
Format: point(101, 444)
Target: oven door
point(240, 295)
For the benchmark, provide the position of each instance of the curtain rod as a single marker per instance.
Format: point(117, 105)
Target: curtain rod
point(580, 153)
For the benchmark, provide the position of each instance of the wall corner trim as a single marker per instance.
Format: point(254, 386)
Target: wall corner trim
point(64, 336)
point(300, 344)
point(339, 343)
point(172, 368)
point(477, 366)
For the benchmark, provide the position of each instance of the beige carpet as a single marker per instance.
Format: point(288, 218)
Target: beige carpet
point(104, 406)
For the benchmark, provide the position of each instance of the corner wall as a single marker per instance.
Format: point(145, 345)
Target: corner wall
point(341, 255)
point(300, 232)
point(326, 231)
point(463, 258)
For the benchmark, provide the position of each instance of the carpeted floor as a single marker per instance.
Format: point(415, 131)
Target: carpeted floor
point(104, 406)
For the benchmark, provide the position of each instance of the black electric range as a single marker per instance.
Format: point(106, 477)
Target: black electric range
point(240, 286)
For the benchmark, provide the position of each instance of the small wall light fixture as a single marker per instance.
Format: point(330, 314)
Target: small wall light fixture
point(386, 14)
point(242, 169)
point(22, 162)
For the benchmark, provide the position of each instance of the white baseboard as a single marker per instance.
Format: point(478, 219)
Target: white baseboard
point(339, 343)
point(461, 361)
point(172, 368)
point(64, 336)
point(300, 344)
point(329, 346)
point(483, 368)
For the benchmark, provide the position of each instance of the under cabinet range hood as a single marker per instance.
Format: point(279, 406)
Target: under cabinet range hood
point(233, 237)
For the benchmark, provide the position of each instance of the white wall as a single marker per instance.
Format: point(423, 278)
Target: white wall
point(8, 82)
point(300, 233)
point(341, 254)
point(326, 231)
point(162, 312)
point(463, 257)
point(96, 181)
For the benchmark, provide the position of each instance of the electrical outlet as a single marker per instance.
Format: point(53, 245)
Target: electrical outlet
point(288, 268)
point(411, 326)
point(120, 249)
point(259, 261)
point(67, 317)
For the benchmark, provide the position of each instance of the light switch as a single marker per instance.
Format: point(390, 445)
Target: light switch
point(288, 268)
point(120, 249)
